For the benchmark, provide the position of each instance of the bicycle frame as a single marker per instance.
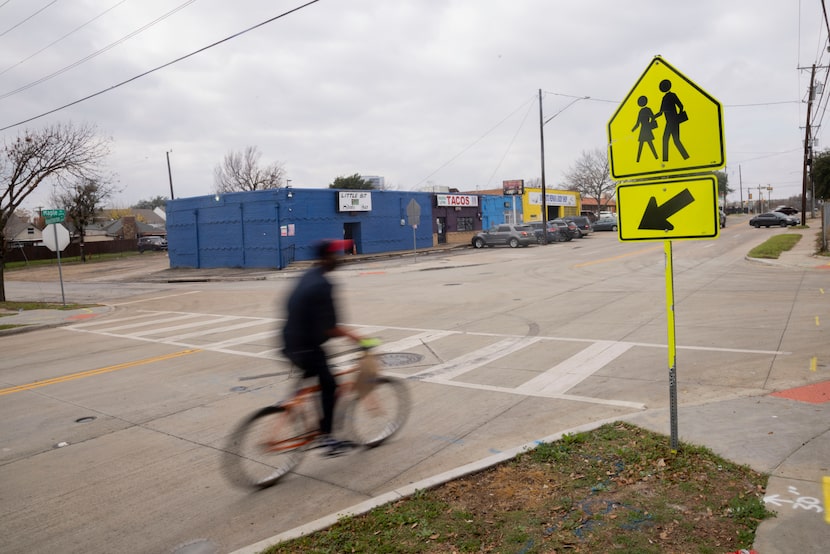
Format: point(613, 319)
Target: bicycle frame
point(298, 406)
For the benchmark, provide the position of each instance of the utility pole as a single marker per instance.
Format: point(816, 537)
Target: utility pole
point(170, 174)
point(741, 186)
point(544, 191)
point(807, 140)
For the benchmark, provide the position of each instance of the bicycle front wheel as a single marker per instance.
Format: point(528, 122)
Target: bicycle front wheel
point(265, 447)
point(376, 415)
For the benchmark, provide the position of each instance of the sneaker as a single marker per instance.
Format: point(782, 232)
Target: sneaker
point(333, 447)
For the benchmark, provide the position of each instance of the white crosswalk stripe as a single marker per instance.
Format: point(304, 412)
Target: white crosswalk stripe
point(226, 334)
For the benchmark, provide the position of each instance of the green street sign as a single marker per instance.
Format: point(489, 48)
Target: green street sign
point(54, 216)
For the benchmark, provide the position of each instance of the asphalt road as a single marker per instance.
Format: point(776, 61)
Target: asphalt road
point(115, 445)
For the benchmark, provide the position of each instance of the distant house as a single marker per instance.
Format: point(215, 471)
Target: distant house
point(590, 205)
point(18, 231)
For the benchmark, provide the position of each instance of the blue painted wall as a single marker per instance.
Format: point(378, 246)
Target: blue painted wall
point(270, 229)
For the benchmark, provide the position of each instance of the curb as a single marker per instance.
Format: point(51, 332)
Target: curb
point(408, 490)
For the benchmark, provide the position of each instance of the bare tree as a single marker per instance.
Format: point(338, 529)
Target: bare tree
point(82, 200)
point(240, 171)
point(590, 177)
point(60, 152)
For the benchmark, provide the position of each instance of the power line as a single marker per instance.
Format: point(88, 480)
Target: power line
point(51, 44)
point(97, 53)
point(16, 25)
point(177, 60)
point(479, 139)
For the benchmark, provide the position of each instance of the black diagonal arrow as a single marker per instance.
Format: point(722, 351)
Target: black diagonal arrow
point(656, 217)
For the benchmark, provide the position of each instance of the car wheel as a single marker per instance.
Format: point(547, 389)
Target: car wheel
point(783, 224)
point(478, 242)
point(514, 242)
point(614, 228)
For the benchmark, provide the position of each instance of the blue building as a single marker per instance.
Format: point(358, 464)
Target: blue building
point(272, 228)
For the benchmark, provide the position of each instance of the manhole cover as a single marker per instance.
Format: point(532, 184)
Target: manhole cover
point(85, 419)
point(398, 359)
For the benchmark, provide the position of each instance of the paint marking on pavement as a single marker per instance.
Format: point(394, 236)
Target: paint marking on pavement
point(158, 298)
point(818, 323)
point(92, 372)
point(483, 356)
point(538, 394)
point(566, 375)
point(817, 393)
point(814, 363)
point(621, 256)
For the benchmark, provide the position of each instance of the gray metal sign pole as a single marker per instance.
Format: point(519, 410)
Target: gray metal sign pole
point(60, 272)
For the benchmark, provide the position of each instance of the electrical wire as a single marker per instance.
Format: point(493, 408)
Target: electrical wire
point(479, 139)
point(16, 25)
point(158, 68)
point(97, 52)
point(510, 145)
point(51, 44)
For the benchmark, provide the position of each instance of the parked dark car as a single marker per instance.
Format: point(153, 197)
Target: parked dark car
point(151, 243)
point(538, 230)
point(772, 219)
point(505, 235)
point(605, 224)
point(568, 229)
point(583, 225)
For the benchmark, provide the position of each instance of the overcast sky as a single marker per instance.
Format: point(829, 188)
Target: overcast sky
point(421, 92)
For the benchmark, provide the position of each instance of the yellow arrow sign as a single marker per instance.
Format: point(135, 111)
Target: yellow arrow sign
point(667, 124)
point(669, 210)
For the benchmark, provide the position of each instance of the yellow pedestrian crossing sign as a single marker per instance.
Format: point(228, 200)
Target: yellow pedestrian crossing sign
point(666, 125)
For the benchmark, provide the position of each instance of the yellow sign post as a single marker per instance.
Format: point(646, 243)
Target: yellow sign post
point(667, 125)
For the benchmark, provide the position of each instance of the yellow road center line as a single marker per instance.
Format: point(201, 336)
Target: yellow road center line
point(626, 255)
point(99, 371)
point(818, 323)
point(814, 364)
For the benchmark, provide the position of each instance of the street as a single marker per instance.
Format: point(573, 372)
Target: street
point(115, 446)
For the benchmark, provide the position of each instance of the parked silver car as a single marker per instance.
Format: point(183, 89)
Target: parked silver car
point(505, 235)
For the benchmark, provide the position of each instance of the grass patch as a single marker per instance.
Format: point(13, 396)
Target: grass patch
point(772, 247)
point(26, 306)
point(70, 260)
point(616, 489)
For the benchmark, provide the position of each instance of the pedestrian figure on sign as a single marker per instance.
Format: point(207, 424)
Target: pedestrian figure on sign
point(672, 109)
point(646, 123)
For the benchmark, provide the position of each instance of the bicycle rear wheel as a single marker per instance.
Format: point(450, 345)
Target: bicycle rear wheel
point(378, 414)
point(265, 447)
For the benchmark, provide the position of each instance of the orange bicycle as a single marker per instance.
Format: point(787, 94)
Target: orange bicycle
point(272, 441)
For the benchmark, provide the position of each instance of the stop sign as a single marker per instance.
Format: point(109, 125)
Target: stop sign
point(55, 237)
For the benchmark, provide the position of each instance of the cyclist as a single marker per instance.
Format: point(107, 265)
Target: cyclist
point(311, 321)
